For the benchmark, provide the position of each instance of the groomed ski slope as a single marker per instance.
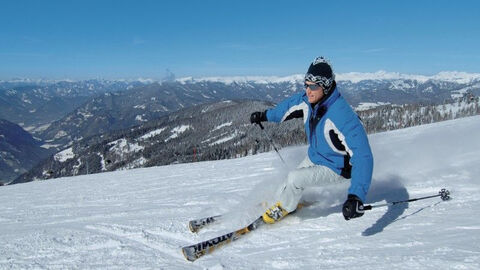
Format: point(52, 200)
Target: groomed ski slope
point(137, 219)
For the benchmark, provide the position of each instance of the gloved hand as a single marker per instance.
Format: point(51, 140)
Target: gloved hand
point(257, 117)
point(353, 207)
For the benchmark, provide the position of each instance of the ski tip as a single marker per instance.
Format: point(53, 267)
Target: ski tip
point(186, 255)
point(191, 227)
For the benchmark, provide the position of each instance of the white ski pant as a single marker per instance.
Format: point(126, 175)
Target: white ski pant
point(307, 174)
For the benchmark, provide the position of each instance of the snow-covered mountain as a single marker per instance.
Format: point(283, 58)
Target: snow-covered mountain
point(120, 110)
point(445, 76)
point(354, 77)
point(218, 130)
point(62, 113)
point(34, 103)
point(211, 131)
point(137, 219)
point(123, 109)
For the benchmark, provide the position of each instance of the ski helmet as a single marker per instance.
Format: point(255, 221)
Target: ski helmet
point(320, 72)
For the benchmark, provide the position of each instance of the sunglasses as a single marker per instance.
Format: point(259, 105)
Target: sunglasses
point(313, 87)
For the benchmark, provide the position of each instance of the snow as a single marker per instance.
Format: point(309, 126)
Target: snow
point(146, 80)
point(102, 161)
point(64, 155)
point(459, 93)
point(85, 115)
point(48, 146)
point(455, 108)
point(456, 76)
point(135, 164)
point(245, 79)
point(448, 76)
point(122, 146)
point(143, 106)
point(140, 118)
point(137, 219)
point(369, 105)
point(354, 77)
point(60, 134)
point(222, 126)
point(176, 131)
point(152, 134)
point(225, 139)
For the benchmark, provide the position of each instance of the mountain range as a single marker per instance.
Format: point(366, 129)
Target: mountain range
point(34, 103)
point(62, 114)
point(211, 131)
point(219, 130)
point(122, 109)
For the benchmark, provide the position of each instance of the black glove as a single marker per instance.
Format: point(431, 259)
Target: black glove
point(353, 207)
point(258, 117)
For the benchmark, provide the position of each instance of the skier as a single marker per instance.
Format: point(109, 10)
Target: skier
point(338, 145)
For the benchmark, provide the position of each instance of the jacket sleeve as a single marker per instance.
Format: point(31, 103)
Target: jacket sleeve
point(292, 107)
point(361, 158)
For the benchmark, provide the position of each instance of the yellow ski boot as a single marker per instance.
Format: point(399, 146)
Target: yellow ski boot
point(274, 214)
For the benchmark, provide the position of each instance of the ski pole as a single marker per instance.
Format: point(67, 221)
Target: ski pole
point(443, 194)
point(271, 142)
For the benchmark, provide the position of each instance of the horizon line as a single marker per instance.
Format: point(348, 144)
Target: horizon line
point(344, 76)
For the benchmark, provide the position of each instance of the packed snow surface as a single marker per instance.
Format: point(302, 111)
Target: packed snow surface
point(137, 219)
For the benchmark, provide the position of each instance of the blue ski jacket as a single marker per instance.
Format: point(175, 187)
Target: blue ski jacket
point(335, 135)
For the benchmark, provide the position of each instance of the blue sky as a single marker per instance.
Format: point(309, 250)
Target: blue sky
point(130, 39)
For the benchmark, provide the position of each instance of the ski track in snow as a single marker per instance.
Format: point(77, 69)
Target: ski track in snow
point(137, 219)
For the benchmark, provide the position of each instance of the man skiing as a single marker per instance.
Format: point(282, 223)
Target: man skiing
point(338, 145)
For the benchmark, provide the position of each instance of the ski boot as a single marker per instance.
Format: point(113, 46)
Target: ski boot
point(274, 214)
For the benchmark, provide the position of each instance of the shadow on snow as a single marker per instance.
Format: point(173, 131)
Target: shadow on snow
point(389, 190)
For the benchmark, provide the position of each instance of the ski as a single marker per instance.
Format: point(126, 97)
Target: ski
point(196, 224)
point(196, 251)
